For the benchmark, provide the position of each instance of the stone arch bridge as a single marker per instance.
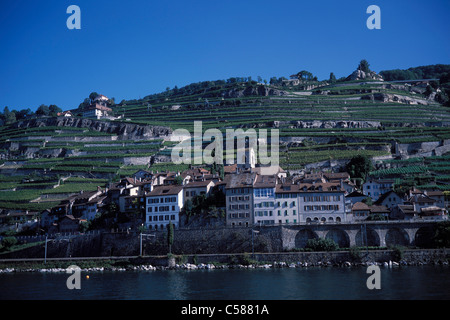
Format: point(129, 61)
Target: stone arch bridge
point(373, 233)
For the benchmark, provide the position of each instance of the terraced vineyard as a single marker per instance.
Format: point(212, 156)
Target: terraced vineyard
point(320, 129)
point(430, 172)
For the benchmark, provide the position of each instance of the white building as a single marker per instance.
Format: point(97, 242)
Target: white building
point(286, 205)
point(389, 199)
point(101, 98)
point(96, 111)
point(197, 188)
point(375, 188)
point(264, 199)
point(162, 206)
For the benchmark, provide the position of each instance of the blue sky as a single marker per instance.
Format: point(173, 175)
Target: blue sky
point(129, 49)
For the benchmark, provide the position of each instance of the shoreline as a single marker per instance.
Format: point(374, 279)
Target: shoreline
point(218, 266)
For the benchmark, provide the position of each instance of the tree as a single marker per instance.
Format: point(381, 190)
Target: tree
point(188, 207)
point(85, 225)
point(9, 116)
point(364, 66)
point(8, 242)
point(322, 244)
point(428, 91)
point(441, 238)
point(305, 75)
point(170, 234)
point(43, 110)
point(92, 96)
point(332, 77)
point(359, 167)
point(24, 114)
point(179, 180)
point(367, 201)
point(54, 110)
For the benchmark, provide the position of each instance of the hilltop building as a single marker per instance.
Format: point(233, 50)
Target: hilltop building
point(101, 99)
point(66, 114)
point(97, 111)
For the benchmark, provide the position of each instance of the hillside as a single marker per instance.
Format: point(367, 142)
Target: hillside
point(322, 125)
point(423, 72)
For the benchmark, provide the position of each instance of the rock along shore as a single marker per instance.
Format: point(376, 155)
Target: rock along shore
point(211, 266)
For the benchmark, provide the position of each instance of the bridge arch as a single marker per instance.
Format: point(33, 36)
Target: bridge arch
point(424, 237)
point(339, 236)
point(397, 236)
point(303, 236)
point(367, 236)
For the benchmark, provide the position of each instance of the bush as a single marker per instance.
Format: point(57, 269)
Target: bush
point(8, 242)
point(355, 254)
point(322, 244)
point(441, 238)
point(398, 252)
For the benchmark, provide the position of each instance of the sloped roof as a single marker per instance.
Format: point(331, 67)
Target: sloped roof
point(242, 180)
point(265, 181)
point(165, 190)
point(385, 195)
point(360, 206)
point(197, 184)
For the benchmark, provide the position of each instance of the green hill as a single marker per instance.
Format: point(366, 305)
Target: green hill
point(322, 124)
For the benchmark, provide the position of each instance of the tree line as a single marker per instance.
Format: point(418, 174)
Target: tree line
point(10, 116)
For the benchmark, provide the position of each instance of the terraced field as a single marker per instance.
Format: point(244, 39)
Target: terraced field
point(319, 129)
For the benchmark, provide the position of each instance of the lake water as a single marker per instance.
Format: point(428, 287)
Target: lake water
point(331, 283)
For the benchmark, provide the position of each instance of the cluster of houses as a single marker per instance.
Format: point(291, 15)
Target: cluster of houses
point(250, 199)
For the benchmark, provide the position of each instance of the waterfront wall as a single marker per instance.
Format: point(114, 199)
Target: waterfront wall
point(335, 258)
point(230, 240)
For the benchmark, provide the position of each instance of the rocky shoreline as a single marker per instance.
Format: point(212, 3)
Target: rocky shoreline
point(211, 266)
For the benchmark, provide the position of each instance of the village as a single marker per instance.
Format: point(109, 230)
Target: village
point(240, 196)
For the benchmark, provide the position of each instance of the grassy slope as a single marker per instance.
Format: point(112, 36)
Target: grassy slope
point(100, 159)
